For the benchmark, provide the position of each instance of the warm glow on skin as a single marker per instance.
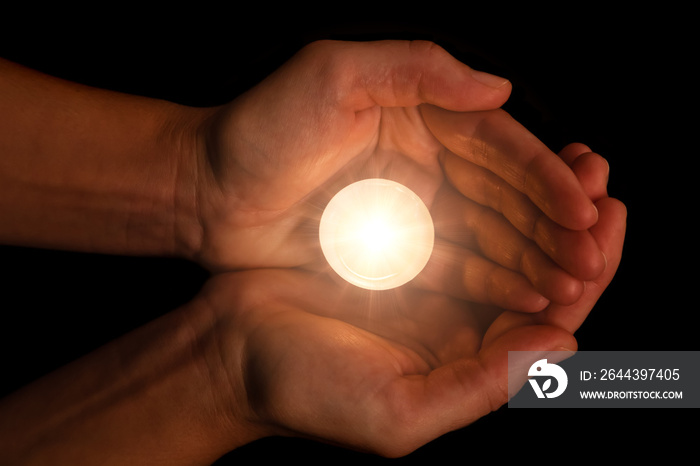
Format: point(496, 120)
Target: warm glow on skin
point(376, 234)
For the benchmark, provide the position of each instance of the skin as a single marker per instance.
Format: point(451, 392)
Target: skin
point(526, 242)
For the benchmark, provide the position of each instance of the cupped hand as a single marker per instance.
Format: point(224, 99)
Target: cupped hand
point(383, 372)
point(408, 111)
point(273, 153)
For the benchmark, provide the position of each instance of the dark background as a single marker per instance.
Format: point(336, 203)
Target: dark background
point(620, 82)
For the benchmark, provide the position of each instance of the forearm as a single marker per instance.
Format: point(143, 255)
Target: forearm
point(158, 395)
point(93, 170)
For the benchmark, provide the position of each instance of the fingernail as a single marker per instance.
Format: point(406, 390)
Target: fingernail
point(597, 214)
point(488, 79)
point(607, 174)
point(605, 259)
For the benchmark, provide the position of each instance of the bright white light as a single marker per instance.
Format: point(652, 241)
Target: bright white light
point(377, 234)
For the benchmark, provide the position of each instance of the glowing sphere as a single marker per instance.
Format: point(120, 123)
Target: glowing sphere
point(377, 234)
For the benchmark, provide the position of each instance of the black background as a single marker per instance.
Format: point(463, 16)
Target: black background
point(620, 82)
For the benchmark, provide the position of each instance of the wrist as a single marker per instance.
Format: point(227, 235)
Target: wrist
point(164, 393)
point(215, 220)
point(184, 135)
point(225, 222)
point(215, 377)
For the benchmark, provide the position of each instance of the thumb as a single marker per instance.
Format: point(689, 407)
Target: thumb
point(459, 393)
point(406, 73)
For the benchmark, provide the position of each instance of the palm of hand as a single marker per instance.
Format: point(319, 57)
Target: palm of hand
point(327, 360)
point(312, 161)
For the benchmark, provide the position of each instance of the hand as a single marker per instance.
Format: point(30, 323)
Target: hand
point(338, 112)
point(593, 171)
point(502, 213)
point(292, 352)
point(243, 186)
point(386, 372)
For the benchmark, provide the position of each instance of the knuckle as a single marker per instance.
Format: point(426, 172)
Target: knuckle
point(426, 48)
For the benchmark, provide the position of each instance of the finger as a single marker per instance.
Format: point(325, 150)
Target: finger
point(571, 151)
point(473, 226)
point(574, 251)
point(591, 169)
point(403, 74)
point(462, 274)
point(609, 232)
point(531, 343)
point(496, 142)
